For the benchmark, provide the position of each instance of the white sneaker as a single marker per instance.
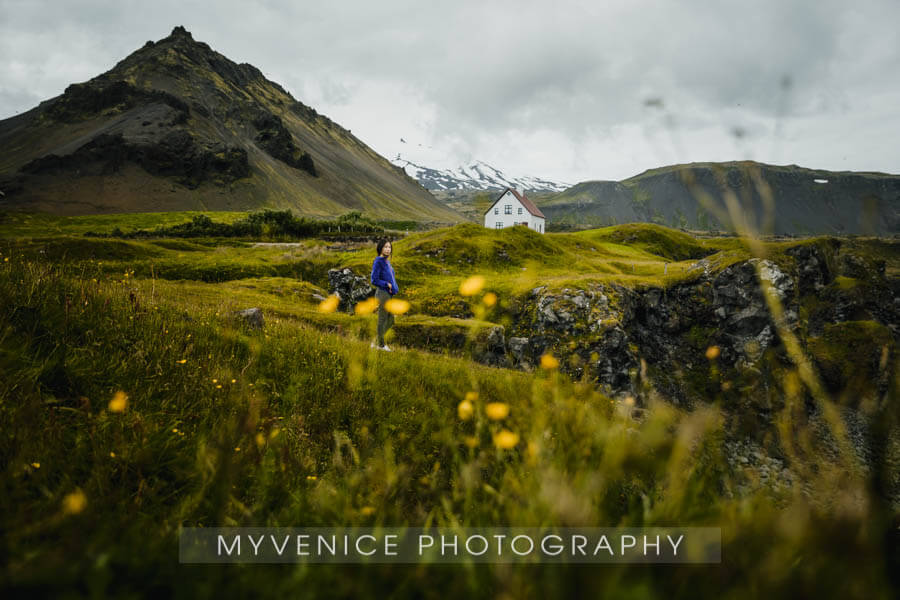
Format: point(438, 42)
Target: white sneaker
point(385, 347)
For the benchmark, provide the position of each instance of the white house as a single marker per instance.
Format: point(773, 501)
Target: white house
point(513, 208)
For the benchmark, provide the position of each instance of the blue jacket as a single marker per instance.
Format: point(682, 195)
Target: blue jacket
point(382, 273)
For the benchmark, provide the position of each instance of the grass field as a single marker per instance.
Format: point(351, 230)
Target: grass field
point(133, 403)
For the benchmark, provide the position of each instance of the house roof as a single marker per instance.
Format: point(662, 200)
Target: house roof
point(528, 204)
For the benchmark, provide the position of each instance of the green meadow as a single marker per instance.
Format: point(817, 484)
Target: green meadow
point(133, 402)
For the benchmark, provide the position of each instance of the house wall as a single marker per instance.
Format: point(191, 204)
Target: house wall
point(491, 219)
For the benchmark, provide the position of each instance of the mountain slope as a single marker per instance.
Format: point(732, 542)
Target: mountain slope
point(806, 201)
point(178, 126)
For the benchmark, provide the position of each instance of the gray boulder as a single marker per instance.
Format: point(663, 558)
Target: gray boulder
point(350, 288)
point(493, 350)
point(519, 348)
point(812, 268)
point(778, 279)
point(251, 317)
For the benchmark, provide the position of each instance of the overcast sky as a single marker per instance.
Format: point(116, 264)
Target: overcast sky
point(570, 91)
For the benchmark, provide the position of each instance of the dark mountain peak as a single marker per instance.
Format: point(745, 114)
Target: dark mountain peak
point(180, 31)
point(172, 54)
point(175, 121)
point(189, 76)
point(182, 40)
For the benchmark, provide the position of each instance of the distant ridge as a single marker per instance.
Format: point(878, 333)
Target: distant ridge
point(806, 201)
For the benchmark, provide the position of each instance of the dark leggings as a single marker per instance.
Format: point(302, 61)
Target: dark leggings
point(385, 319)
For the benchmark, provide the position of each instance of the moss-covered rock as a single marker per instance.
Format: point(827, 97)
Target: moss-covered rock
point(275, 139)
point(854, 358)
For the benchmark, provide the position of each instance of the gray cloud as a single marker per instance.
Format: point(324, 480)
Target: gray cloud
point(535, 83)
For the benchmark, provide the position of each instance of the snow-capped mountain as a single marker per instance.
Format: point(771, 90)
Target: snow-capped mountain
point(421, 162)
point(477, 176)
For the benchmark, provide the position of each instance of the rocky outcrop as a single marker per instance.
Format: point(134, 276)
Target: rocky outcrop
point(275, 139)
point(579, 325)
point(349, 287)
point(606, 330)
point(175, 154)
point(82, 101)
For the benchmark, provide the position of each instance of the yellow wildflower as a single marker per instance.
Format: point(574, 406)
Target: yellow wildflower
point(489, 299)
point(549, 362)
point(506, 439)
point(182, 361)
point(497, 410)
point(367, 510)
point(465, 410)
point(367, 306)
point(118, 402)
point(471, 286)
point(712, 353)
point(471, 441)
point(329, 304)
point(396, 306)
point(74, 502)
point(36, 465)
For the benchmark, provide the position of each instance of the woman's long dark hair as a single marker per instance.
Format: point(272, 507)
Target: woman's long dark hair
point(381, 244)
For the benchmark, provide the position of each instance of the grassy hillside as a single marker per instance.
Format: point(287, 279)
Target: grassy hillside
point(134, 403)
point(23, 224)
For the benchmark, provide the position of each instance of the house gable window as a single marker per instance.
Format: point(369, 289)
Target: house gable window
point(499, 225)
point(496, 210)
point(520, 210)
point(507, 209)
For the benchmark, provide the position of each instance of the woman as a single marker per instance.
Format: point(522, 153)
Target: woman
point(383, 279)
